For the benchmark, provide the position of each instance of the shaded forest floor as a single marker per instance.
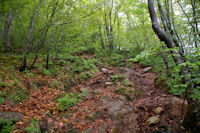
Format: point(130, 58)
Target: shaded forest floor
point(113, 100)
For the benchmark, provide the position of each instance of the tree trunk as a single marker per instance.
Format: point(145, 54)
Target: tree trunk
point(167, 24)
point(42, 40)
point(48, 50)
point(101, 37)
point(111, 31)
point(8, 30)
point(31, 25)
point(163, 37)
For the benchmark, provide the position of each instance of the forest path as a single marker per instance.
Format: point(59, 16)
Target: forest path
point(118, 100)
point(111, 107)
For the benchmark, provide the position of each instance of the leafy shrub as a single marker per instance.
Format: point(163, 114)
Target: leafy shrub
point(175, 83)
point(143, 55)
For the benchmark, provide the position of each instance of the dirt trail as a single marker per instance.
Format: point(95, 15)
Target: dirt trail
point(105, 108)
point(105, 111)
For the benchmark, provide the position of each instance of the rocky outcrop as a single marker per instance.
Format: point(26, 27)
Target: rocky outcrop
point(10, 116)
point(179, 107)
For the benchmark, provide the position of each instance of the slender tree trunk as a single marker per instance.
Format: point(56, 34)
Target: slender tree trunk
point(109, 28)
point(42, 40)
point(48, 51)
point(101, 37)
point(111, 31)
point(167, 24)
point(8, 30)
point(106, 24)
point(163, 37)
point(194, 24)
point(118, 27)
point(31, 26)
point(190, 23)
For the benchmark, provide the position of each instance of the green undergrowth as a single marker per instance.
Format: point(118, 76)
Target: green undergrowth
point(14, 89)
point(172, 80)
point(6, 126)
point(34, 127)
point(70, 66)
point(117, 78)
point(69, 100)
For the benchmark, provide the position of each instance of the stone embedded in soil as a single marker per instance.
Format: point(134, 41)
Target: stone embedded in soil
point(123, 98)
point(128, 124)
point(109, 83)
point(102, 129)
point(115, 108)
point(104, 70)
point(146, 69)
point(94, 115)
point(176, 107)
point(153, 120)
point(159, 110)
point(10, 116)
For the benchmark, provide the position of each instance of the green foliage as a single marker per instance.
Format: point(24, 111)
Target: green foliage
point(144, 55)
point(127, 83)
point(175, 83)
point(84, 50)
point(69, 100)
point(3, 75)
point(45, 71)
point(6, 126)
point(14, 91)
point(81, 65)
point(128, 93)
point(117, 78)
point(85, 76)
point(115, 59)
point(196, 93)
point(2, 97)
point(28, 74)
point(121, 91)
point(17, 94)
point(55, 84)
point(34, 127)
